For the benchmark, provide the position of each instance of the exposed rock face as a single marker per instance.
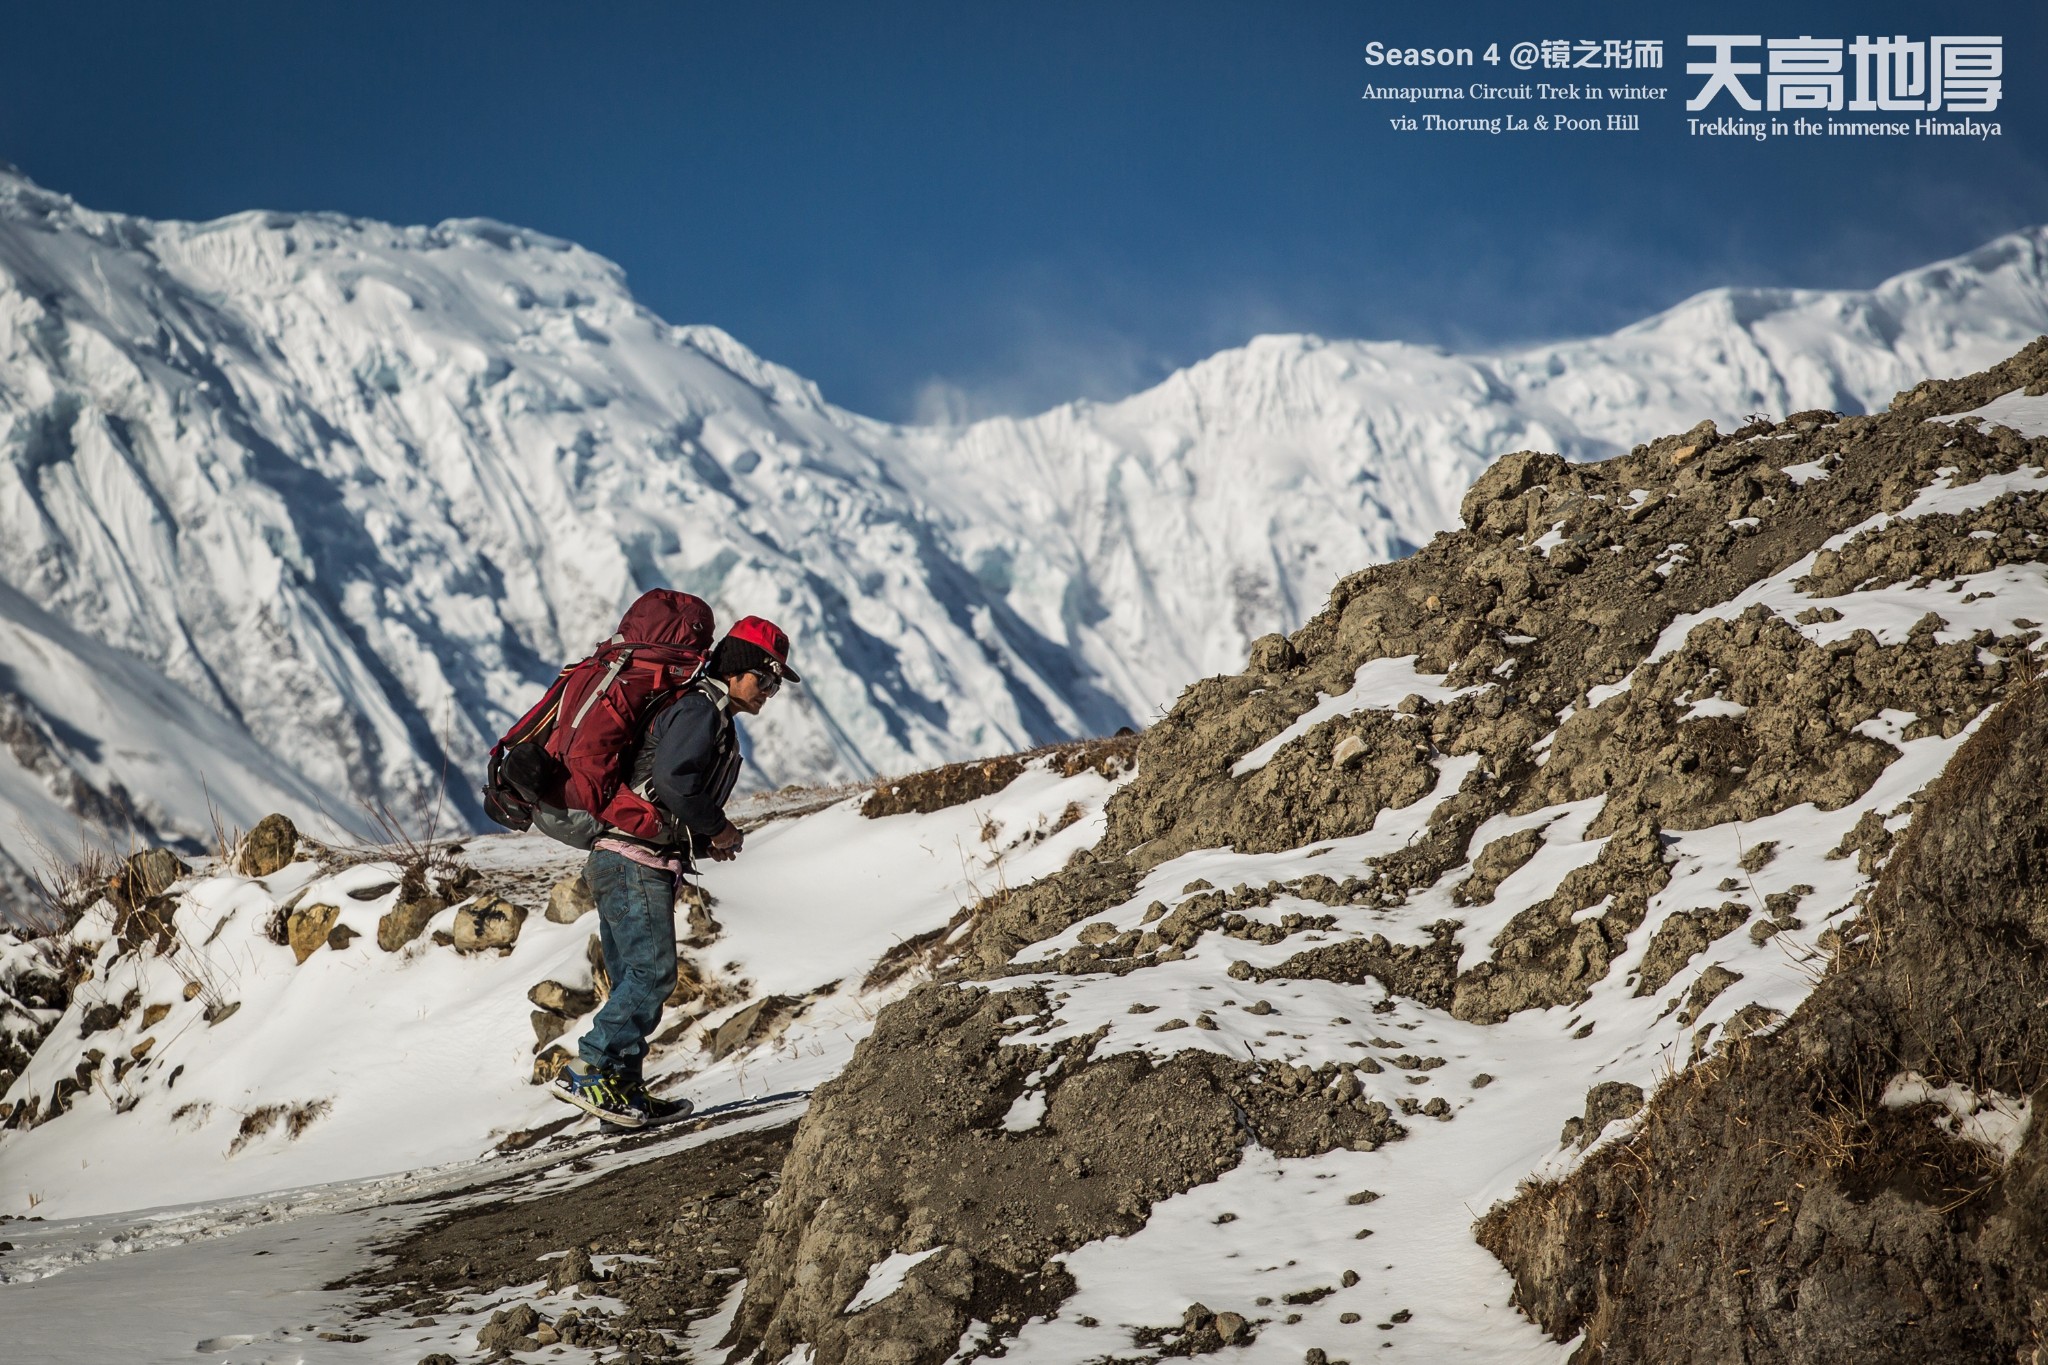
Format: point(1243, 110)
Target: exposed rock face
point(1574, 656)
point(1862, 1227)
point(906, 1151)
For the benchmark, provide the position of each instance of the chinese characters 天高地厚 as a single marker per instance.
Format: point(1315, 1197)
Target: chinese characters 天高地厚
point(1957, 74)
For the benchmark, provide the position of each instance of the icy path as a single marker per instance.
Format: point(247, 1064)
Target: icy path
point(237, 1282)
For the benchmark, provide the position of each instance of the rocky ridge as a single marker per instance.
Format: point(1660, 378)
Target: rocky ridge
point(1626, 751)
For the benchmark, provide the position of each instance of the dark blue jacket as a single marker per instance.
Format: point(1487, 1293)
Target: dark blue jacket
point(688, 762)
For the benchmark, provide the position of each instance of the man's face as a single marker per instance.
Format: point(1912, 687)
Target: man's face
point(748, 691)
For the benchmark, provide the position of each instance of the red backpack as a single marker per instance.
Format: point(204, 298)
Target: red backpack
point(562, 768)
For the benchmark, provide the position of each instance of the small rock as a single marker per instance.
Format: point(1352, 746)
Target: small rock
point(146, 874)
point(269, 847)
point(1102, 931)
point(306, 928)
point(1348, 752)
point(221, 1011)
point(439, 1358)
point(339, 937)
point(98, 1019)
point(547, 1027)
point(1195, 1316)
point(1316, 1356)
point(1231, 1327)
point(1349, 1278)
point(570, 899)
point(510, 1329)
point(567, 1001)
point(1240, 970)
point(1363, 1197)
point(492, 922)
point(1481, 1081)
point(141, 1049)
point(154, 1015)
point(192, 989)
point(403, 922)
point(1170, 1025)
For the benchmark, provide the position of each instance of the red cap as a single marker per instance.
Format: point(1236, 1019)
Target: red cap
point(758, 630)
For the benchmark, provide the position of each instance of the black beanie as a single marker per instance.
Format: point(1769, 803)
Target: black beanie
point(730, 658)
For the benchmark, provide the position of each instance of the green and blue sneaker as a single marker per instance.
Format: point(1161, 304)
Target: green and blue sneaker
point(617, 1099)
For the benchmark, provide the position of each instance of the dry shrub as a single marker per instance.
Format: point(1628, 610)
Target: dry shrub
point(255, 1124)
point(302, 1116)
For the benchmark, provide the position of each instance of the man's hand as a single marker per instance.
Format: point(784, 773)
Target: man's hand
point(725, 845)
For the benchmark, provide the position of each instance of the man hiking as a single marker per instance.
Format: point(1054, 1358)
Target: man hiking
point(686, 765)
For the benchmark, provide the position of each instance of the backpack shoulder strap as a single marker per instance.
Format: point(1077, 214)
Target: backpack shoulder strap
point(611, 675)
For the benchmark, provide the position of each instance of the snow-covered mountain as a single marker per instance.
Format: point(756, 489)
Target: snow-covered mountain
point(358, 489)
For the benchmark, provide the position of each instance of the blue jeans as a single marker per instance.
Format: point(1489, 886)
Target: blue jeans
point(637, 929)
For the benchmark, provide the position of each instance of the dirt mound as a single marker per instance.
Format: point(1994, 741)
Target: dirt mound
point(1856, 1185)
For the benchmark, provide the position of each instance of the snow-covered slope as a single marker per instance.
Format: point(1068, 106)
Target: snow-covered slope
point(360, 1060)
point(358, 489)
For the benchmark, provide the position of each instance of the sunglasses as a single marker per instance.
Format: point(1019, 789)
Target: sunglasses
point(771, 679)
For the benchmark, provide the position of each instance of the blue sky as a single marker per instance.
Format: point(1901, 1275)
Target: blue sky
point(983, 207)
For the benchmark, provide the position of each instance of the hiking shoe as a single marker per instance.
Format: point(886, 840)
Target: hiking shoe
point(614, 1098)
point(658, 1109)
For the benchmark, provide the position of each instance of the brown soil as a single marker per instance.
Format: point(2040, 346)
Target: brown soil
point(697, 1212)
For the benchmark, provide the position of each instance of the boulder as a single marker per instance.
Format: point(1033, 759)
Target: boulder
point(269, 847)
point(306, 928)
point(405, 921)
point(567, 1001)
point(570, 899)
point(492, 922)
point(572, 1270)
